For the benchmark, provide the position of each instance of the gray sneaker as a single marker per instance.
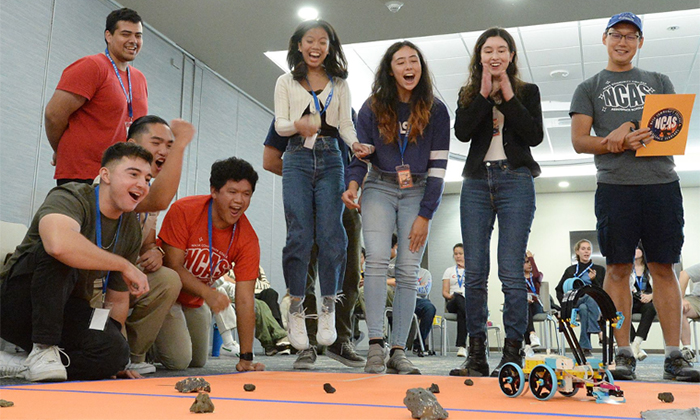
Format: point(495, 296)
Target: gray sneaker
point(376, 359)
point(399, 363)
point(305, 359)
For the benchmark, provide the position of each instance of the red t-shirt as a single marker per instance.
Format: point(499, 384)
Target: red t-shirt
point(185, 227)
point(100, 122)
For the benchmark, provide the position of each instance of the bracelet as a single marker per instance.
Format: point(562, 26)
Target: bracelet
point(160, 250)
point(247, 356)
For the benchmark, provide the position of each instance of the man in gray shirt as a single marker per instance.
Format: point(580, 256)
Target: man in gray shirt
point(637, 198)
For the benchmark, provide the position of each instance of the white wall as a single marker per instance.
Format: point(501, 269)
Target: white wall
point(556, 215)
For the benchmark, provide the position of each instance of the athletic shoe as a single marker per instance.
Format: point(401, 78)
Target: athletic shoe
point(534, 340)
point(345, 353)
point(283, 347)
point(296, 331)
point(529, 352)
point(326, 334)
point(688, 354)
point(461, 352)
point(639, 354)
point(231, 350)
point(305, 359)
point(399, 364)
point(625, 366)
point(676, 368)
point(45, 365)
point(12, 365)
point(376, 359)
point(142, 367)
point(587, 353)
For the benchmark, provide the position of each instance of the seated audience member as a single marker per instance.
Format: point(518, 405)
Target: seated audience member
point(533, 279)
point(167, 144)
point(453, 292)
point(203, 236)
point(691, 307)
point(267, 330)
point(642, 294)
point(265, 292)
point(79, 234)
point(589, 273)
point(425, 311)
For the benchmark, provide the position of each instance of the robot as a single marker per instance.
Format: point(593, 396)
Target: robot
point(548, 373)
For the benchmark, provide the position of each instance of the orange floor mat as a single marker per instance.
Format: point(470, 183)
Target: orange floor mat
point(300, 395)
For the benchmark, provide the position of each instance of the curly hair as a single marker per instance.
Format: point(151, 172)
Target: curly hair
point(473, 85)
point(385, 97)
point(335, 63)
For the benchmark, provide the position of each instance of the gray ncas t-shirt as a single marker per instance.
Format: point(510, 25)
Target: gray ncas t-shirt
point(613, 98)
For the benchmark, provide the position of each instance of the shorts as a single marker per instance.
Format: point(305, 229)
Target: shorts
point(629, 213)
point(694, 303)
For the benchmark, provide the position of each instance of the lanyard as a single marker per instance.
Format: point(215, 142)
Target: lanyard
point(640, 283)
point(98, 234)
point(129, 95)
point(209, 229)
point(577, 274)
point(460, 279)
point(531, 284)
point(403, 141)
point(317, 104)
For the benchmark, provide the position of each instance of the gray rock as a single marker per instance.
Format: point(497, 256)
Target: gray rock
point(202, 404)
point(434, 388)
point(666, 397)
point(328, 388)
point(423, 405)
point(468, 382)
point(5, 403)
point(249, 387)
point(193, 385)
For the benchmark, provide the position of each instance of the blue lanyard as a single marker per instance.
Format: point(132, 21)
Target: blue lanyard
point(211, 255)
point(317, 104)
point(577, 274)
point(640, 283)
point(403, 141)
point(98, 233)
point(460, 279)
point(531, 284)
point(129, 95)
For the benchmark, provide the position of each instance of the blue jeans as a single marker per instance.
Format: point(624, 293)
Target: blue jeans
point(588, 312)
point(425, 311)
point(510, 195)
point(385, 209)
point(312, 184)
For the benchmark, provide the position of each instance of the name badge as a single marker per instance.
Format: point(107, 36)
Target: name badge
point(98, 320)
point(403, 172)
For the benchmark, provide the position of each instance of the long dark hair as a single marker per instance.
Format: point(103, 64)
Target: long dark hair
point(335, 63)
point(385, 97)
point(473, 86)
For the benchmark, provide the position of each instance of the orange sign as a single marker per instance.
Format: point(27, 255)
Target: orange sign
point(668, 117)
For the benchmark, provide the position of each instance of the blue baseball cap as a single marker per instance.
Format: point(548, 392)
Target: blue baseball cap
point(625, 17)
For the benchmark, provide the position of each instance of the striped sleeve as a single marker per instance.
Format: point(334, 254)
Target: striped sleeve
point(437, 165)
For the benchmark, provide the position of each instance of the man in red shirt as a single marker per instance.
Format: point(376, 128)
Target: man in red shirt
point(96, 100)
point(203, 237)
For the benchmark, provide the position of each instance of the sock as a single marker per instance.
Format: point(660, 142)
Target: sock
point(626, 350)
point(686, 346)
point(296, 306)
point(394, 350)
point(379, 341)
point(638, 340)
point(227, 338)
point(670, 349)
point(329, 303)
point(38, 346)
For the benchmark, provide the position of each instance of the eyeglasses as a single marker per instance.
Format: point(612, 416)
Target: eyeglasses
point(618, 36)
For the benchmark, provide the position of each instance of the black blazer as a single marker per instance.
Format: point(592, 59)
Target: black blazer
point(569, 272)
point(522, 129)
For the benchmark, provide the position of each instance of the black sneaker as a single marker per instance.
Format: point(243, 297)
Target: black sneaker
point(676, 368)
point(624, 367)
point(305, 359)
point(345, 353)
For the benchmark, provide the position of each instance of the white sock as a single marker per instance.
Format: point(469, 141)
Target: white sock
point(670, 349)
point(227, 338)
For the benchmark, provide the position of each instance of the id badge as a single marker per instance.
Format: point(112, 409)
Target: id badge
point(98, 320)
point(403, 172)
point(310, 141)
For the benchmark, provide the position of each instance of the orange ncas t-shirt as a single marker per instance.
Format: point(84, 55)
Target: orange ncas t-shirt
point(185, 227)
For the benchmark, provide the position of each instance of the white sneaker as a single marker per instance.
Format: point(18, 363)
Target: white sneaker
point(529, 352)
point(639, 354)
point(12, 365)
point(688, 354)
point(141, 367)
point(461, 352)
point(230, 350)
point(326, 334)
point(45, 365)
point(296, 331)
point(534, 340)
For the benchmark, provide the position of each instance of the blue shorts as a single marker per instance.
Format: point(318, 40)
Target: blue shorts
point(628, 213)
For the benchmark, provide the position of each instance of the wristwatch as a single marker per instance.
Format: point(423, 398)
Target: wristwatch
point(635, 123)
point(247, 356)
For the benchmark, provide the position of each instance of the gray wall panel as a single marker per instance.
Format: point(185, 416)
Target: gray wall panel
point(163, 66)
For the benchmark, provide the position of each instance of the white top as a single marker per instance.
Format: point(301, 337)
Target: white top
point(291, 99)
point(451, 274)
point(496, 150)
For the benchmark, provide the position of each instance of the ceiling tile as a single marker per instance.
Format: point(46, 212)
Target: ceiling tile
point(452, 81)
point(449, 65)
point(663, 47)
point(543, 74)
point(545, 38)
point(668, 63)
point(571, 55)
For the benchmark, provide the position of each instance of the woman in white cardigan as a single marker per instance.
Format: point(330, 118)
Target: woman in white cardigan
point(313, 109)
